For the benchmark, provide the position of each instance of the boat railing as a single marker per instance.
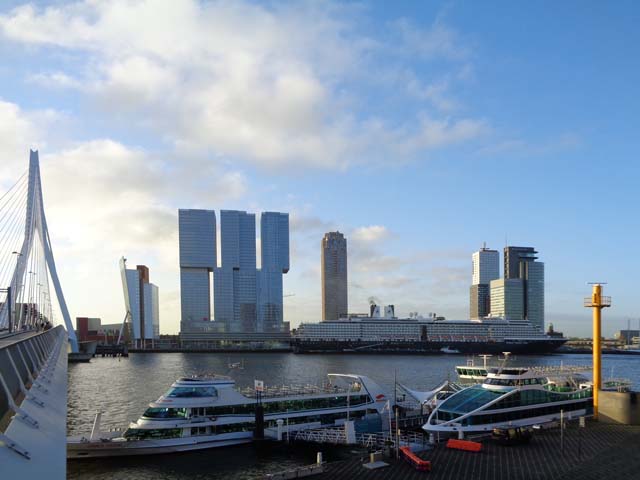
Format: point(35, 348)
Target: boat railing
point(297, 390)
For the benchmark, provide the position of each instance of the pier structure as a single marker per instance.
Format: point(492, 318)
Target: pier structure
point(597, 302)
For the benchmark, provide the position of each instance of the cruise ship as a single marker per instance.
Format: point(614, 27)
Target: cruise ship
point(389, 334)
point(206, 412)
point(514, 397)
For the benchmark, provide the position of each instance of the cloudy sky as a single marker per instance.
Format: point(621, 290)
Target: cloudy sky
point(421, 130)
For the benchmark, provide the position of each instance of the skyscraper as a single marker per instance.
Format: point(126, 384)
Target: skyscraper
point(507, 298)
point(274, 241)
point(141, 299)
point(198, 257)
point(484, 269)
point(334, 276)
point(235, 289)
point(514, 256)
point(521, 263)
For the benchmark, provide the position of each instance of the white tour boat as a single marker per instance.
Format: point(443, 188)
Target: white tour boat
point(514, 396)
point(205, 412)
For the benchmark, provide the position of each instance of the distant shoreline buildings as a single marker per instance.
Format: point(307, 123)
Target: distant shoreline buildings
point(519, 295)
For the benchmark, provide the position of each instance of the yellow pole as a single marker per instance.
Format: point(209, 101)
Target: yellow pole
point(596, 303)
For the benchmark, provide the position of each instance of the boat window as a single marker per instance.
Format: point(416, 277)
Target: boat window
point(468, 400)
point(292, 405)
point(144, 434)
point(195, 431)
point(192, 392)
point(165, 413)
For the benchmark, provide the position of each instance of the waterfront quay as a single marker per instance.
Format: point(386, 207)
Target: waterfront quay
point(594, 452)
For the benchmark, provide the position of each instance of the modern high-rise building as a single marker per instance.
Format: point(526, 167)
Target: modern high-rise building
point(235, 281)
point(274, 253)
point(334, 276)
point(141, 298)
point(507, 298)
point(198, 258)
point(514, 256)
point(479, 301)
point(484, 269)
point(533, 276)
point(246, 300)
point(520, 263)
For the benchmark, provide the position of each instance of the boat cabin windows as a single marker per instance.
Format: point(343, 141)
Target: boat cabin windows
point(511, 382)
point(192, 392)
point(495, 416)
point(218, 429)
point(147, 434)
point(165, 412)
point(471, 371)
point(281, 406)
point(197, 431)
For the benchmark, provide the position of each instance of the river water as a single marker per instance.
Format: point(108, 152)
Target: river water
point(122, 388)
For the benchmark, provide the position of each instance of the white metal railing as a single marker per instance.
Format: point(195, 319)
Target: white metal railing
point(337, 436)
point(297, 390)
point(39, 364)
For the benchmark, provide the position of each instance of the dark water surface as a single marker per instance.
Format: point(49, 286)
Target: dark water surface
point(122, 388)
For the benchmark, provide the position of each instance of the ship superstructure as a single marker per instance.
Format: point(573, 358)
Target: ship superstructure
point(427, 335)
point(205, 412)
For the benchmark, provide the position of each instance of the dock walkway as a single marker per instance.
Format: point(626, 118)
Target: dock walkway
point(595, 452)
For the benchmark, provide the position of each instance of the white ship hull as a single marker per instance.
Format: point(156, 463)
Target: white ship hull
point(78, 449)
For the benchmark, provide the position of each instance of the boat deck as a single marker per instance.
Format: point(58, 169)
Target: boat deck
point(595, 452)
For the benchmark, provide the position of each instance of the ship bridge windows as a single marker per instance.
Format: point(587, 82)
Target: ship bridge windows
point(164, 412)
point(192, 392)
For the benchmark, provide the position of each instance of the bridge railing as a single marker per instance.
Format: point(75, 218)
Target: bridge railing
point(26, 364)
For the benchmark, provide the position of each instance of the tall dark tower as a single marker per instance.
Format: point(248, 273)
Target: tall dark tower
point(334, 276)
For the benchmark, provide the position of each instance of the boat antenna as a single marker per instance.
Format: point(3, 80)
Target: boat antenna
point(504, 361)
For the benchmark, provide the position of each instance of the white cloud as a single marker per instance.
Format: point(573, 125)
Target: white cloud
point(54, 80)
point(21, 130)
point(369, 234)
point(273, 86)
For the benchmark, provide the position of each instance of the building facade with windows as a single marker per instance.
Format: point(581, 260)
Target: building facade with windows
point(274, 255)
point(198, 258)
point(522, 263)
point(507, 298)
point(245, 299)
point(142, 302)
point(235, 288)
point(484, 269)
point(335, 300)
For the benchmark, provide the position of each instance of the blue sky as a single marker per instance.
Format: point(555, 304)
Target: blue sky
point(420, 129)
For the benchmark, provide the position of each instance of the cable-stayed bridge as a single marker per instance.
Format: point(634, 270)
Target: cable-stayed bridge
point(34, 341)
